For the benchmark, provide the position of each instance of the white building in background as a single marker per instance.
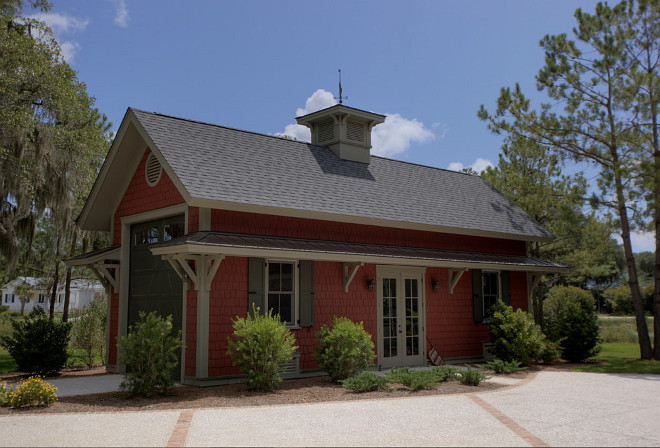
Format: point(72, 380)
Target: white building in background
point(83, 291)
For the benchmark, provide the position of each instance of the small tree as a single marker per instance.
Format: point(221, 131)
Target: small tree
point(25, 293)
point(38, 344)
point(345, 349)
point(89, 330)
point(516, 337)
point(149, 353)
point(570, 319)
point(260, 346)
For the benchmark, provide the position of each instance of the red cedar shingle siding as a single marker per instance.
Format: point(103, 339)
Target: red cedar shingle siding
point(258, 224)
point(140, 197)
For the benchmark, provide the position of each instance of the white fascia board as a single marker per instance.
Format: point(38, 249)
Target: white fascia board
point(323, 216)
point(122, 178)
point(207, 249)
point(103, 172)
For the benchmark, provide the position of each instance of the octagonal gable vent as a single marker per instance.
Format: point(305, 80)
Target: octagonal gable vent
point(153, 170)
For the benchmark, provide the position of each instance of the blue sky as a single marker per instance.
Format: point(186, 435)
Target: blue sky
point(255, 65)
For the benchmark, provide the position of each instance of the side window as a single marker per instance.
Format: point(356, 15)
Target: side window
point(491, 291)
point(281, 291)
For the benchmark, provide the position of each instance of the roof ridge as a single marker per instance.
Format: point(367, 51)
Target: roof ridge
point(190, 120)
point(289, 140)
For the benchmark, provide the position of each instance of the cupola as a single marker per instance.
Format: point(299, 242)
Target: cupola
point(345, 130)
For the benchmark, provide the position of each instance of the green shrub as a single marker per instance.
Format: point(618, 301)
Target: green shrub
point(471, 377)
point(420, 379)
point(88, 332)
point(4, 309)
point(570, 319)
point(365, 382)
point(261, 344)
point(32, 392)
point(345, 348)
point(149, 353)
point(4, 393)
point(619, 299)
point(515, 336)
point(502, 367)
point(444, 373)
point(38, 344)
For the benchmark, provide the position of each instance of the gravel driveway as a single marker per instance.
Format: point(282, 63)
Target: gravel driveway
point(550, 408)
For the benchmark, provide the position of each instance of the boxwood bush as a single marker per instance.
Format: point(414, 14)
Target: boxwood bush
point(38, 344)
point(149, 353)
point(261, 344)
point(570, 319)
point(516, 337)
point(345, 348)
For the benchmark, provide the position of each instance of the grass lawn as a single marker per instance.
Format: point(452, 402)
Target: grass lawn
point(7, 364)
point(621, 357)
point(620, 350)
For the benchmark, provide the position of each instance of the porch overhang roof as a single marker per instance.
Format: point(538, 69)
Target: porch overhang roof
point(230, 244)
point(96, 256)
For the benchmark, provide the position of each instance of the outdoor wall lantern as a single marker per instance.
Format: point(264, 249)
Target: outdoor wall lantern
point(435, 285)
point(371, 284)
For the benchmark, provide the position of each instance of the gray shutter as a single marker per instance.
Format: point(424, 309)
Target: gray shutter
point(306, 293)
point(505, 278)
point(256, 274)
point(477, 296)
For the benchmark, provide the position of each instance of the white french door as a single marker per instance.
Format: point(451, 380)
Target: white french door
point(401, 321)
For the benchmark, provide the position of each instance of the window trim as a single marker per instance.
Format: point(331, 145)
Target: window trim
point(296, 288)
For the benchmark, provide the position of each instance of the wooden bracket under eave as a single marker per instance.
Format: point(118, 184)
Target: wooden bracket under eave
point(454, 276)
point(201, 272)
point(107, 273)
point(350, 269)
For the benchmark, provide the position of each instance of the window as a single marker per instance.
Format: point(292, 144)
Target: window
point(285, 286)
point(491, 290)
point(59, 298)
point(281, 291)
point(12, 298)
point(487, 288)
point(42, 298)
point(6, 298)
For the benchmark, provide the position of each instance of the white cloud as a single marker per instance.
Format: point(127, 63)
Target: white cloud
point(479, 165)
point(121, 15)
point(320, 99)
point(392, 137)
point(643, 241)
point(296, 131)
point(396, 134)
point(61, 23)
point(69, 50)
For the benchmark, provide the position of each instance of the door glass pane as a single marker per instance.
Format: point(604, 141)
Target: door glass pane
point(390, 336)
point(412, 317)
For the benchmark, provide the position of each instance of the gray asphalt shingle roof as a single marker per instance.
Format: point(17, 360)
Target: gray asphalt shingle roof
point(218, 163)
point(226, 240)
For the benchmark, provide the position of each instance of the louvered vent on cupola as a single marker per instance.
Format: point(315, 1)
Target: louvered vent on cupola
point(345, 130)
point(326, 131)
point(152, 170)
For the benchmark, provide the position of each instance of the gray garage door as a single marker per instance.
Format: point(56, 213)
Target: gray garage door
point(153, 284)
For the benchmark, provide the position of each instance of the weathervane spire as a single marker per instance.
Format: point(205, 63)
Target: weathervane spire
point(341, 98)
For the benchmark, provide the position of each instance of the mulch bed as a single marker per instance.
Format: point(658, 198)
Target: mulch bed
point(306, 390)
